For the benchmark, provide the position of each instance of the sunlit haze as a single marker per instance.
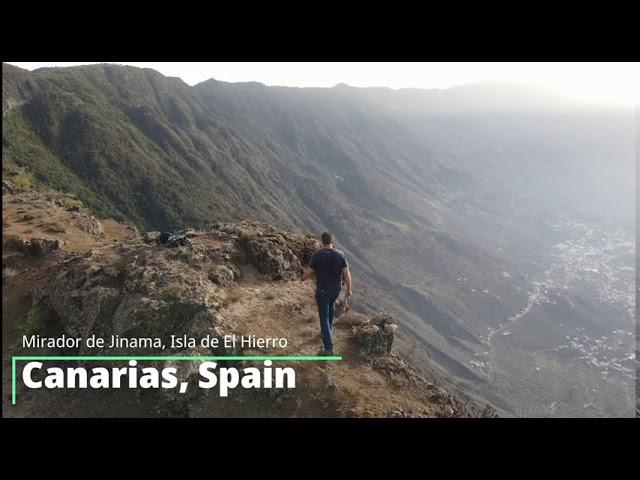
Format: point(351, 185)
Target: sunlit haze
point(614, 83)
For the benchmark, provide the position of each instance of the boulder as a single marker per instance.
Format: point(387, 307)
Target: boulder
point(272, 256)
point(222, 275)
point(16, 243)
point(150, 237)
point(88, 224)
point(41, 247)
point(133, 290)
point(278, 254)
point(375, 340)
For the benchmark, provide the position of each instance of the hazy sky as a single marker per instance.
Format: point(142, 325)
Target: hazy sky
point(598, 82)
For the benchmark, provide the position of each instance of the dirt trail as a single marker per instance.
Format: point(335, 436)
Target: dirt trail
point(288, 310)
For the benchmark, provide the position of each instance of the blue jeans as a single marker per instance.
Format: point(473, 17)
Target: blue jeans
point(326, 301)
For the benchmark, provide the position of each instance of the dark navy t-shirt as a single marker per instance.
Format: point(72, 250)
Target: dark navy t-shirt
point(328, 264)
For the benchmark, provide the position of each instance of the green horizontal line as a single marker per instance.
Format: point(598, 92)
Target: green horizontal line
point(169, 357)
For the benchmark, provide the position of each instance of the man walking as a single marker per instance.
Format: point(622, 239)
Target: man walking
point(330, 267)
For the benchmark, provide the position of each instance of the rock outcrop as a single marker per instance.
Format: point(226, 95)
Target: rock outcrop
point(142, 288)
point(42, 246)
point(375, 337)
point(38, 247)
point(281, 255)
point(135, 290)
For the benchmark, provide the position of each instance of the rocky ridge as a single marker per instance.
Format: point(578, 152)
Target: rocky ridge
point(235, 278)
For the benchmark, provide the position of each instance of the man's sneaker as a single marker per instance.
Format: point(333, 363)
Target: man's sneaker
point(326, 353)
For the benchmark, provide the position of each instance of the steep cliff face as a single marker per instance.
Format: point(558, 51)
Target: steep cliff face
point(238, 279)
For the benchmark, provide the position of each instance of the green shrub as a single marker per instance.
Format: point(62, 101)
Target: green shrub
point(22, 179)
point(34, 322)
point(69, 201)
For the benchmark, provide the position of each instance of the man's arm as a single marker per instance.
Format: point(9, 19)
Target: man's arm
point(310, 269)
point(346, 275)
point(308, 273)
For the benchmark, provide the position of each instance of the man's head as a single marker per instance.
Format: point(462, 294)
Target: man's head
point(327, 239)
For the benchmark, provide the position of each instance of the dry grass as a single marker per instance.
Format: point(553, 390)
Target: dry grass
point(234, 295)
point(173, 290)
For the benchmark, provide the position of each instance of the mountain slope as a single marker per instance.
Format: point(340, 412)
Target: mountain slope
point(434, 195)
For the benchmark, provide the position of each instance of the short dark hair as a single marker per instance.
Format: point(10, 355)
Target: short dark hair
point(327, 238)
